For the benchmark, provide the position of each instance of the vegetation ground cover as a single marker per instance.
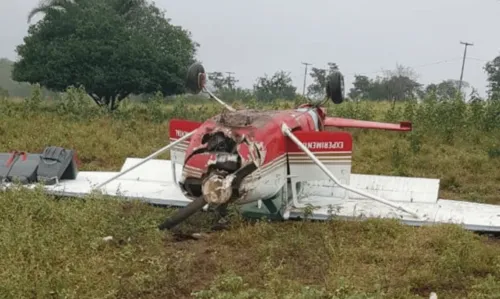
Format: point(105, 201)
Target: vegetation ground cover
point(54, 248)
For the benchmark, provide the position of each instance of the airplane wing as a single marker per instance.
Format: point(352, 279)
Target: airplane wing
point(363, 124)
point(471, 216)
point(57, 170)
point(316, 197)
point(343, 194)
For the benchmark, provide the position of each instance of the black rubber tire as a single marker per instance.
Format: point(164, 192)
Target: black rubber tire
point(335, 87)
point(183, 214)
point(192, 79)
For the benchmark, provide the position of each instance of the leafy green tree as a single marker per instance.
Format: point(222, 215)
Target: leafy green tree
point(361, 89)
point(225, 87)
point(446, 89)
point(319, 76)
point(219, 81)
point(278, 86)
point(113, 48)
point(399, 88)
point(396, 85)
point(236, 93)
point(492, 69)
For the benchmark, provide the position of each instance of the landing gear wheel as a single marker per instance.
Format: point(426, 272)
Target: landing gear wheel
point(183, 213)
point(195, 80)
point(335, 87)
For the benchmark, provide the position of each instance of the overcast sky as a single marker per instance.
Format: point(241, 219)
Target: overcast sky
point(255, 37)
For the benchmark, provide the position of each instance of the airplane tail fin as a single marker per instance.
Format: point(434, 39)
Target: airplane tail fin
point(177, 129)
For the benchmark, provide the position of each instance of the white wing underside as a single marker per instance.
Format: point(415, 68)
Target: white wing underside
point(154, 183)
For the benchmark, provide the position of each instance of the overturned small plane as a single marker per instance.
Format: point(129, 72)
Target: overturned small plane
point(280, 164)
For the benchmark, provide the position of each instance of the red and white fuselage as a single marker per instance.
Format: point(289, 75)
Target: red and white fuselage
point(251, 145)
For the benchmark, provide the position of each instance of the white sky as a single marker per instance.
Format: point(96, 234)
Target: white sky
point(255, 37)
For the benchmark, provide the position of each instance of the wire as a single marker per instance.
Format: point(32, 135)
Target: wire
point(412, 67)
point(478, 59)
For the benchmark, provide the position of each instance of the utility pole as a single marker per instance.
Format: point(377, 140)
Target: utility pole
point(230, 79)
point(466, 44)
point(305, 76)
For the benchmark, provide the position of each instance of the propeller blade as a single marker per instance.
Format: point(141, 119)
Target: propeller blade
point(183, 213)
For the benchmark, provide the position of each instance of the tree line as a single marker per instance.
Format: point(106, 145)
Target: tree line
point(118, 48)
point(399, 84)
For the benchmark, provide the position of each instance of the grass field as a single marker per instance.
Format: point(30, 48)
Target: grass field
point(52, 248)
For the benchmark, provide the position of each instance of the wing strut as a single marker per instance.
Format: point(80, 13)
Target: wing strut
point(152, 156)
point(286, 130)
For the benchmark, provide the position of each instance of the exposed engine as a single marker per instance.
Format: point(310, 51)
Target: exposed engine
point(227, 158)
point(219, 159)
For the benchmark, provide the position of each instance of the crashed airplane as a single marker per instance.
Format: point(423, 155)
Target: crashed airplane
point(282, 164)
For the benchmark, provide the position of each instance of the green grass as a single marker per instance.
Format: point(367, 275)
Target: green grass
point(54, 248)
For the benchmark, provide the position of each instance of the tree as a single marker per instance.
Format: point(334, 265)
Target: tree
point(226, 88)
point(492, 69)
point(362, 87)
point(402, 72)
point(319, 76)
point(396, 85)
point(401, 83)
point(399, 88)
point(278, 86)
point(220, 82)
point(113, 48)
point(446, 89)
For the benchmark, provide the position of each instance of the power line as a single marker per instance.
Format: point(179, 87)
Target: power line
point(412, 67)
point(427, 64)
point(437, 62)
point(306, 64)
point(466, 44)
point(477, 59)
